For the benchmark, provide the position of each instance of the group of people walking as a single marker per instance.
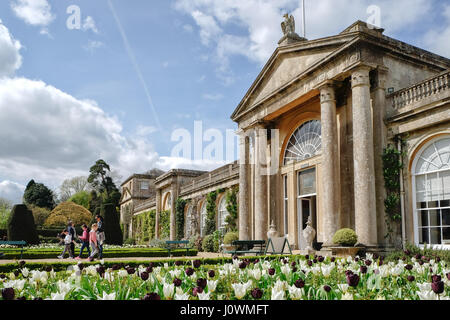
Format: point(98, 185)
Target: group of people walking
point(93, 238)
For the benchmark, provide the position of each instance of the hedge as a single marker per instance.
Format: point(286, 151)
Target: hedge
point(135, 253)
point(21, 225)
point(205, 262)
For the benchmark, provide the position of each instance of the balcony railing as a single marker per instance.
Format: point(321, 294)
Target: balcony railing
point(421, 91)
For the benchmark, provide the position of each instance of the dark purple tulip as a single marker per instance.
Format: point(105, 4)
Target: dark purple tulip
point(2, 276)
point(242, 265)
point(348, 272)
point(101, 270)
point(16, 273)
point(352, 280)
point(327, 288)
point(310, 263)
point(438, 287)
point(257, 293)
point(256, 261)
point(151, 265)
point(417, 256)
point(320, 259)
point(196, 291)
point(411, 278)
point(152, 296)
point(375, 256)
point(356, 259)
point(178, 263)
point(438, 259)
point(448, 276)
point(307, 257)
point(407, 252)
point(368, 262)
point(81, 266)
point(363, 269)
point(294, 269)
point(49, 268)
point(197, 264)
point(235, 257)
point(149, 269)
point(420, 262)
point(333, 259)
point(285, 261)
point(293, 264)
point(315, 260)
point(436, 278)
point(299, 283)
point(131, 270)
point(22, 263)
point(144, 276)
point(8, 294)
point(211, 273)
point(189, 272)
point(408, 267)
point(115, 267)
point(177, 282)
point(271, 271)
point(201, 283)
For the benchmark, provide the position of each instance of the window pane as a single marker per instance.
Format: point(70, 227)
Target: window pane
point(433, 204)
point(445, 203)
point(433, 182)
point(446, 235)
point(307, 182)
point(435, 234)
point(421, 198)
point(435, 218)
point(423, 218)
point(446, 217)
point(423, 236)
point(420, 183)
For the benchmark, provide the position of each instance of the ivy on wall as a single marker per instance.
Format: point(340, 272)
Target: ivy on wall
point(210, 225)
point(179, 207)
point(144, 227)
point(393, 164)
point(232, 208)
point(164, 224)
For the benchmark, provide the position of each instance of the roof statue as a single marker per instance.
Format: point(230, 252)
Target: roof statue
point(288, 27)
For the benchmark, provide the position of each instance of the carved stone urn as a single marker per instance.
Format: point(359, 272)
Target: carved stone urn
point(272, 233)
point(309, 234)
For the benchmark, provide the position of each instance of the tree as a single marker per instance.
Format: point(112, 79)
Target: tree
point(179, 209)
point(81, 198)
point(68, 211)
point(99, 178)
point(39, 195)
point(5, 204)
point(40, 215)
point(94, 202)
point(72, 186)
point(21, 225)
point(113, 232)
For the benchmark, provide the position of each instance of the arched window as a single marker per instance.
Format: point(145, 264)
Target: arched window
point(188, 222)
point(305, 142)
point(168, 203)
point(203, 218)
point(223, 214)
point(431, 183)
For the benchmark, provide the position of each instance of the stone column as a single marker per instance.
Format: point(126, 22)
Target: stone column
point(174, 197)
point(158, 212)
point(330, 163)
point(363, 158)
point(260, 183)
point(244, 186)
point(380, 142)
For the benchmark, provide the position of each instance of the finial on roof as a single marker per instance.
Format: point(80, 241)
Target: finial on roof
point(289, 34)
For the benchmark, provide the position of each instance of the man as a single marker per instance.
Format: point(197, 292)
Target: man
point(72, 233)
point(100, 235)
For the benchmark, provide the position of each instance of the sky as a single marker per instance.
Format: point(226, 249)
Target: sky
point(122, 81)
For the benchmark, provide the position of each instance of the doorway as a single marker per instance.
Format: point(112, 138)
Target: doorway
point(306, 203)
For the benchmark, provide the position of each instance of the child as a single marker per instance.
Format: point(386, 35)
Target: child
point(84, 241)
point(93, 241)
point(67, 243)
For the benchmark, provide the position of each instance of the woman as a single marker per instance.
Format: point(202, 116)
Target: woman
point(100, 235)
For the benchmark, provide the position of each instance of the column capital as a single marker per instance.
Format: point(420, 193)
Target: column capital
point(360, 76)
point(327, 91)
point(381, 77)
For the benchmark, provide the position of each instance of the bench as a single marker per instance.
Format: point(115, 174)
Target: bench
point(170, 245)
point(256, 247)
point(14, 243)
point(278, 246)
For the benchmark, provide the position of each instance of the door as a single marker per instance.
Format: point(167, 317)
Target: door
point(306, 203)
point(304, 210)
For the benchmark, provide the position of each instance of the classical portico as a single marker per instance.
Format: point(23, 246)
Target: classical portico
point(327, 100)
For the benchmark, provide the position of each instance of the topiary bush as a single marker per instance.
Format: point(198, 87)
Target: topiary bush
point(21, 225)
point(113, 232)
point(345, 237)
point(208, 243)
point(230, 237)
point(66, 211)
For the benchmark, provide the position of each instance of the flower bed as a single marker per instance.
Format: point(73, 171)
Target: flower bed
point(292, 278)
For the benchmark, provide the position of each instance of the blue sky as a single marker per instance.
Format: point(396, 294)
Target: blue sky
point(69, 97)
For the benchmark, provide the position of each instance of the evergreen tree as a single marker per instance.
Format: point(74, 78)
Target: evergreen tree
point(113, 232)
point(21, 225)
point(39, 195)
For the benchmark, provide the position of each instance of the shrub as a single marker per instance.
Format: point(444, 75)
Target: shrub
point(179, 209)
point(196, 241)
point(345, 237)
point(164, 223)
point(208, 243)
point(21, 225)
point(40, 215)
point(157, 243)
point(210, 224)
point(68, 211)
point(129, 241)
point(113, 232)
point(230, 237)
point(81, 198)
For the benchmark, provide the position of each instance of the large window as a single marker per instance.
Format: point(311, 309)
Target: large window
point(305, 143)
point(223, 214)
point(431, 181)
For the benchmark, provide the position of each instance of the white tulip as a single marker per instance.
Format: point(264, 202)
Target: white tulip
point(111, 296)
point(240, 290)
point(296, 293)
point(122, 273)
point(25, 272)
point(182, 296)
point(212, 284)
point(168, 290)
point(347, 296)
point(57, 296)
point(278, 295)
point(343, 287)
point(204, 296)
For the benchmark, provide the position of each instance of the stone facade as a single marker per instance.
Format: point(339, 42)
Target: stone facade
point(312, 129)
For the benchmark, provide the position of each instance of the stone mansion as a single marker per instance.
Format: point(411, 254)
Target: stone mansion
point(326, 109)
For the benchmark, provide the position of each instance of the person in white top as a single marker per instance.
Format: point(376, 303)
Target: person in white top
point(67, 243)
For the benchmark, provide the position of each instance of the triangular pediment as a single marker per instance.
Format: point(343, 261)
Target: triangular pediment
point(126, 194)
point(287, 64)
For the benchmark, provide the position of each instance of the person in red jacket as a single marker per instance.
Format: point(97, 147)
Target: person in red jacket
point(84, 241)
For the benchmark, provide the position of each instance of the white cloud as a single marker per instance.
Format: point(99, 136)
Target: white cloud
point(12, 191)
point(89, 24)
point(10, 58)
point(260, 20)
point(93, 45)
point(143, 131)
point(438, 39)
point(212, 97)
point(168, 163)
point(33, 12)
